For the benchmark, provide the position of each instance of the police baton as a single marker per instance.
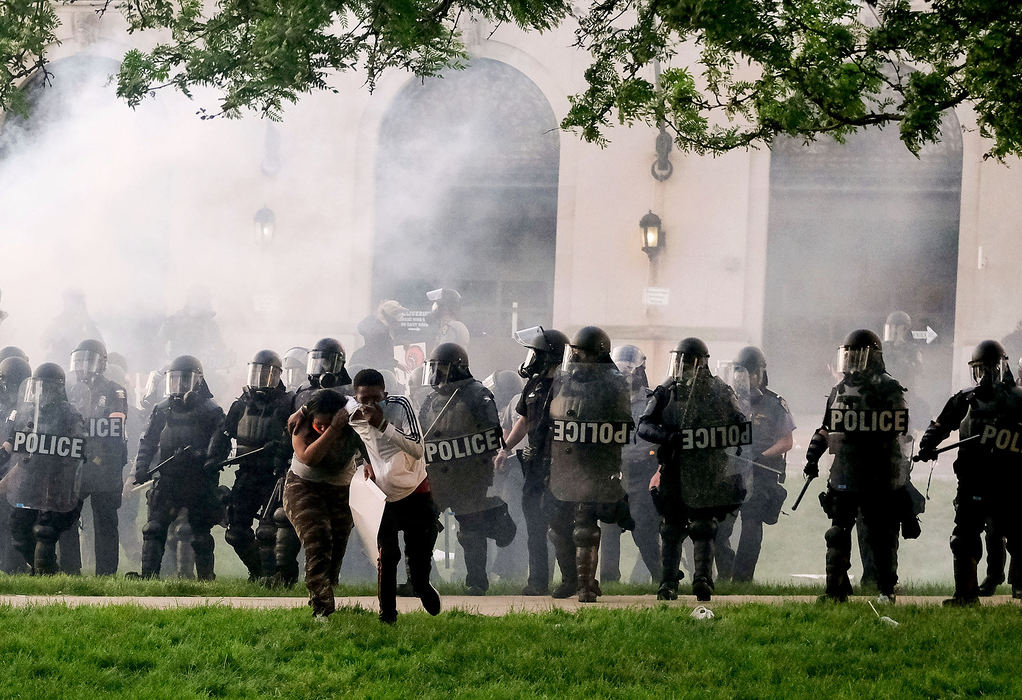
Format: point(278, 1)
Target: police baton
point(761, 466)
point(160, 465)
point(802, 493)
point(271, 504)
point(950, 447)
point(237, 459)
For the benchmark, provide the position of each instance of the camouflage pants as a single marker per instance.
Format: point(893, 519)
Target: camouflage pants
point(322, 519)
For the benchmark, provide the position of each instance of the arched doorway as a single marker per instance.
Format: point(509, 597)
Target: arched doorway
point(466, 197)
point(857, 230)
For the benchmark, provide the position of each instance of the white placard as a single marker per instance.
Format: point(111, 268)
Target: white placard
point(656, 296)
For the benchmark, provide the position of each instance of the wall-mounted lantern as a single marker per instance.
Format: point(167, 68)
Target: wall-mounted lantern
point(652, 235)
point(265, 223)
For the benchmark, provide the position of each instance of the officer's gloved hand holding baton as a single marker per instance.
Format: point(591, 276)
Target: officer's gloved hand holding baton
point(817, 446)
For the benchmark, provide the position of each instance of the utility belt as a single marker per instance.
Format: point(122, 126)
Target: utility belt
point(535, 465)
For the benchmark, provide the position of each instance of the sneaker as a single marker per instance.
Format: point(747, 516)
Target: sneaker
point(988, 587)
point(430, 600)
point(535, 590)
point(565, 590)
point(1016, 592)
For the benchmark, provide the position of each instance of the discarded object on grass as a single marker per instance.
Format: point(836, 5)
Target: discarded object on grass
point(884, 619)
point(702, 613)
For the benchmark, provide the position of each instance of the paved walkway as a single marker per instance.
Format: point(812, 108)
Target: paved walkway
point(484, 605)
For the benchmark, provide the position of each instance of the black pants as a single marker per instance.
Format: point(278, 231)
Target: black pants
point(165, 499)
point(34, 533)
point(536, 500)
point(254, 547)
point(882, 517)
point(739, 563)
point(415, 516)
point(105, 535)
point(646, 534)
point(974, 509)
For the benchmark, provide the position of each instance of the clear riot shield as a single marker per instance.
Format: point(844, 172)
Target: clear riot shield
point(48, 451)
point(712, 428)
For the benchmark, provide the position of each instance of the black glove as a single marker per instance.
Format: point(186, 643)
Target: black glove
point(926, 454)
point(817, 446)
point(141, 477)
point(212, 466)
point(811, 470)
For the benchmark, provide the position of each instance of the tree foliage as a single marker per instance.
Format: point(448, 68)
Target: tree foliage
point(718, 74)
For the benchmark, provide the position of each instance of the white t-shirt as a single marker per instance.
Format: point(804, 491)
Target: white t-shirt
point(395, 452)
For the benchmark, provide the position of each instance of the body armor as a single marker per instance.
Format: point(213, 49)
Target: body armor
point(254, 420)
point(866, 425)
point(590, 421)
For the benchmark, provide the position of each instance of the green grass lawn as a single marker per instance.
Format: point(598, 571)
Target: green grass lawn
point(761, 651)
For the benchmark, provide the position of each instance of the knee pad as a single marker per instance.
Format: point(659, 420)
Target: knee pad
point(586, 535)
point(239, 537)
point(558, 539)
point(280, 518)
point(836, 535)
point(266, 532)
point(46, 533)
point(702, 530)
point(154, 530)
point(672, 531)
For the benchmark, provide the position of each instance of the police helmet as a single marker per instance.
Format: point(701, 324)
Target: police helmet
point(989, 362)
point(293, 365)
point(183, 374)
point(447, 363)
point(689, 355)
point(46, 384)
point(325, 364)
point(12, 351)
point(628, 358)
point(754, 362)
point(862, 349)
point(445, 299)
point(897, 323)
point(13, 371)
point(89, 359)
point(264, 370)
point(546, 349)
point(591, 344)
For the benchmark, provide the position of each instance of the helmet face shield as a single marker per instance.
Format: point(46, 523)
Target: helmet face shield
point(988, 374)
point(532, 338)
point(262, 376)
point(851, 359)
point(42, 391)
point(86, 363)
point(180, 382)
point(436, 373)
point(322, 362)
point(572, 356)
point(683, 365)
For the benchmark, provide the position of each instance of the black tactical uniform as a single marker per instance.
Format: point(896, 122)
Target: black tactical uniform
point(638, 465)
point(257, 421)
point(988, 467)
point(47, 436)
point(462, 434)
point(696, 420)
point(542, 362)
point(590, 421)
point(180, 429)
point(14, 370)
point(864, 427)
point(104, 405)
point(771, 422)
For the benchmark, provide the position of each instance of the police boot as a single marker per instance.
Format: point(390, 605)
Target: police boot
point(473, 544)
point(69, 553)
point(670, 561)
point(245, 546)
point(154, 539)
point(45, 557)
point(202, 547)
point(586, 562)
point(285, 551)
point(702, 533)
point(966, 588)
point(564, 553)
point(839, 544)
point(989, 586)
point(266, 538)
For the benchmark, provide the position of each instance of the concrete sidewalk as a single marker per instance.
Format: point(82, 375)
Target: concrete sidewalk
point(481, 605)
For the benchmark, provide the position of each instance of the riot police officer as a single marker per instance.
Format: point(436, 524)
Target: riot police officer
point(638, 465)
point(104, 406)
point(177, 435)
point(542, 362)
point(444, 325)
point(293, 366)
point(989, 416)
point(699, 425)
point(46, 436)
point(257, 421)
point(590, 421)
point(462, 434)
point(772, 428)
point(14, 371)
point(864, 427)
